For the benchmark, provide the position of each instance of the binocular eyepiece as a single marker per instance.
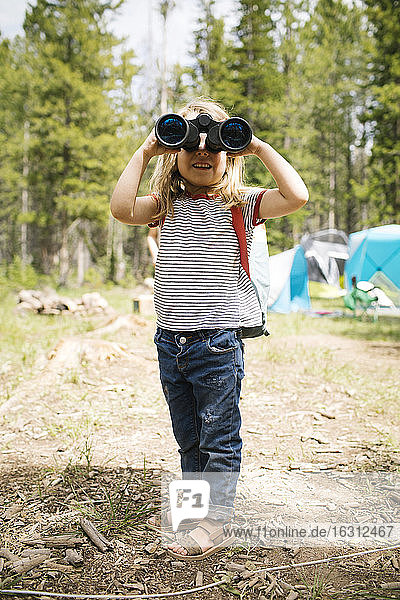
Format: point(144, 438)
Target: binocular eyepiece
point(231, 135)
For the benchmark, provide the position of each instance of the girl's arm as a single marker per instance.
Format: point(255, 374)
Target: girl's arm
point(125, 206)
point(291, 193)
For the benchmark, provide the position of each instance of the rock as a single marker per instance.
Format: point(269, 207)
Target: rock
point(24, 307)
point(94, 300)
point(151, 548)
point(73, 557)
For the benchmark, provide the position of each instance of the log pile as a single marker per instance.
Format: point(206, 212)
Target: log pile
point(48, 302)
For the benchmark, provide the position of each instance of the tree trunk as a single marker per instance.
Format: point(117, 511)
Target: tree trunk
point(110, 248)
point(64, 258)
point(332, 186)
point(81, 256)
point(24, 197)
point(166, 6)
point(120, 269)
point(350, 205)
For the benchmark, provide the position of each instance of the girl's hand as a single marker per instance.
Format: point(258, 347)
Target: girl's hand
point(251, 149)
point(152, 147)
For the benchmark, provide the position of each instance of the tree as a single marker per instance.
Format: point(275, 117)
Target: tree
point(332, 72)
point(255, 66)
point(14, 132)
point(74, 152)
point(383, 111)
point(165, 7)
point(212, 56)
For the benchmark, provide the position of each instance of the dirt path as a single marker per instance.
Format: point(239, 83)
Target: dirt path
point(298, 406)
point(304, 413)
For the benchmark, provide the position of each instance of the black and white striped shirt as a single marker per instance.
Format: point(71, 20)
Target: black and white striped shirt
point(199, 281)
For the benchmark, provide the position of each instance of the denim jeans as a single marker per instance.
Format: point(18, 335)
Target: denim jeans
point(201, 374)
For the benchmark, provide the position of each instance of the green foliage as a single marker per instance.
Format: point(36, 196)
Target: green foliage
point(212, 74)
point(334, 71)
point(73, 90)
point(255, 66)
point(383, 112)
point(16, 275)
point(317, 80)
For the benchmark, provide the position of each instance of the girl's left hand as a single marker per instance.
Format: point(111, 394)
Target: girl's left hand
point(250, 150)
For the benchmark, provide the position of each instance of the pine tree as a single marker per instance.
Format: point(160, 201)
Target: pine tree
point(383, 113)
point(256, 65)
point(288, 18)
point(74, 152)
point(333, 72)
point(212, 54)
point(14, 88)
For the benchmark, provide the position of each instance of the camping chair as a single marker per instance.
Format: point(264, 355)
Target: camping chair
point(360, 299)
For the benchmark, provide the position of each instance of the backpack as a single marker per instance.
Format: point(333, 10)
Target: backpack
point(256, 267)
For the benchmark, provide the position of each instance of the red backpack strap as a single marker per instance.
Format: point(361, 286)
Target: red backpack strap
point(238, 225)
point(160, 222)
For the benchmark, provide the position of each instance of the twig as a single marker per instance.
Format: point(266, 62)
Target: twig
point(56, 541)
point(95, 536)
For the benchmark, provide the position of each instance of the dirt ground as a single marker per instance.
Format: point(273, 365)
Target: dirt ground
point(89, 434)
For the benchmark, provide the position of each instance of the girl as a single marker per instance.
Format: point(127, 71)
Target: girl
point(203, 298)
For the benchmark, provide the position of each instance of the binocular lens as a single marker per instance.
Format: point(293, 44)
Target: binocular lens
point(174, 131)
point(171, 130)
point(235, 134)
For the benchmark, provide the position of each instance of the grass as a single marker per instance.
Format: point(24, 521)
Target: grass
point(24, 339)
point(361, 327)
point(115, 509)
point(318, 586)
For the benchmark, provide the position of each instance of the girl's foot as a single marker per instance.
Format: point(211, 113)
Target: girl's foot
point(160, 519)
point(208, 537)
point(162, 523)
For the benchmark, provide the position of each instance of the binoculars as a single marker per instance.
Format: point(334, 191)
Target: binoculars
point(231, 135)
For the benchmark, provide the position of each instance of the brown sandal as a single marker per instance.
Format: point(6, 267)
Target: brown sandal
point(162, 527)
point(218, 536)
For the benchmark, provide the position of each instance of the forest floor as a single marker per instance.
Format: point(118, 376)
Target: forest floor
point(87, 434)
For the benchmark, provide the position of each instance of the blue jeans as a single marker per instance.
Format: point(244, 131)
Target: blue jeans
point(201, 374)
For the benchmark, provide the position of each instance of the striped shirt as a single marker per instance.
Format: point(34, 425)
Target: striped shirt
point(199, 281)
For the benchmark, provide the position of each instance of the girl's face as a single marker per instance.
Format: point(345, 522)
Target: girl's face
point(201, 169)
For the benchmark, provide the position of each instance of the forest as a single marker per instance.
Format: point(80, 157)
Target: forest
point(318, 79)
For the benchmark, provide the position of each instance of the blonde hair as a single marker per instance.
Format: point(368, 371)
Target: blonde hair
point(167, 183)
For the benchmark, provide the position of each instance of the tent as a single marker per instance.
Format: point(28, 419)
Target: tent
point(326, 252)
point(289, 281)
point(374, 255)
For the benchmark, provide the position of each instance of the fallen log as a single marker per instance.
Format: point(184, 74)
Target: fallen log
point(35, 552)
point(70, 352)
point(50, 303)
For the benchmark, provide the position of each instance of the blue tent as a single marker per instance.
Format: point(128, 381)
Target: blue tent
point(289, 281)
point(374, 255)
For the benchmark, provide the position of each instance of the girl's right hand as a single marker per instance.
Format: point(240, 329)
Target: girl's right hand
point(152, 147)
